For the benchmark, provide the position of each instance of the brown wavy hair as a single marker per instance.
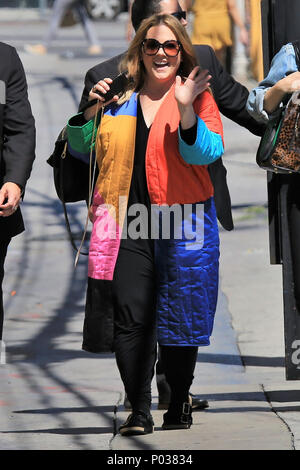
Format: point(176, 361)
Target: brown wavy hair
point(133, 64)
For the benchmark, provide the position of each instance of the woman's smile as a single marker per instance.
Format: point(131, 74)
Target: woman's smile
point(160, 64)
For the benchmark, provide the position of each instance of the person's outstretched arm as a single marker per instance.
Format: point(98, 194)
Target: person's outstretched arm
point(268, 95)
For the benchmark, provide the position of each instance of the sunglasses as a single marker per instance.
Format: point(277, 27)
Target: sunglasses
point(151, 47)
point(180, 15)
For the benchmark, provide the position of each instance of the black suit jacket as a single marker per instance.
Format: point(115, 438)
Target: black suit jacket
point(231, 98)
point(17, 132)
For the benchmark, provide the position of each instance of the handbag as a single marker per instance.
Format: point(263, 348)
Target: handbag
point(73, 179)
point(71, 176)
point(279, 149)
point(70, 18)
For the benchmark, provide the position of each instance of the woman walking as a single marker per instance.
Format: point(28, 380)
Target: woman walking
point(150, 280)
point(60, 9)
point(213, 22)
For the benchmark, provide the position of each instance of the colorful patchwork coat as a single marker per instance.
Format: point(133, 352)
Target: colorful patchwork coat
point(177, 177)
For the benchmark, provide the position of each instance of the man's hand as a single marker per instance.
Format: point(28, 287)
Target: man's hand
point(10, 195)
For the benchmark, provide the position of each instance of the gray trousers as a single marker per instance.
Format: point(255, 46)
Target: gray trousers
point(59, 9)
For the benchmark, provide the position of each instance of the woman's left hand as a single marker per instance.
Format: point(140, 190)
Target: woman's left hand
point(196, 83)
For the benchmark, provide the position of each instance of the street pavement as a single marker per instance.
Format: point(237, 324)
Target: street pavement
point(53, 395)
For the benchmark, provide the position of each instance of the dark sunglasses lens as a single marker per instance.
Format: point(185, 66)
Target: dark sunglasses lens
point(180, 15)
point(171, 48)
point(151, 46)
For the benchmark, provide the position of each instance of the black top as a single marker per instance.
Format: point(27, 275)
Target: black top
point(138, 189)
point(139, 195)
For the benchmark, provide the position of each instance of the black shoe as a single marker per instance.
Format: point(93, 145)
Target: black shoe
point(180, 420)
point(197, 403)
point(137, 424)
point(164, 396)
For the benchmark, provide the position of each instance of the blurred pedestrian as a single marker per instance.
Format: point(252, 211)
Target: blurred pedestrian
point(60, 9)
point(255, 52)
point(212, 25)
point(17, 130)
point(163, 132)
point(231, 98)
point(129, 27)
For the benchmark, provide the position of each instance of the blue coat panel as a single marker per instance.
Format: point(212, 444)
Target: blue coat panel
point(187, 273)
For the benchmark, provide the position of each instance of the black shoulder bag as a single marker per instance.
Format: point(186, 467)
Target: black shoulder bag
point(73, 179)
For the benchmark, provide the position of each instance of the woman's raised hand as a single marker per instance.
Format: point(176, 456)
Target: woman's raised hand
point(103, 86)
point(195, 83)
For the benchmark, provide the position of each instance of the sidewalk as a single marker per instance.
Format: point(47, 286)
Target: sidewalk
point(22, 15)
point(242, 373)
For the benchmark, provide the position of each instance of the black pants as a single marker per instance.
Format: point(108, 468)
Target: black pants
point(178, 364)
point(3, 250)
point(134, 301)
point(134, 298)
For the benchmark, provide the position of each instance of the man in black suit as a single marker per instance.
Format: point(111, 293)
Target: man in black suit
point(231, 98)
point(17, 150)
